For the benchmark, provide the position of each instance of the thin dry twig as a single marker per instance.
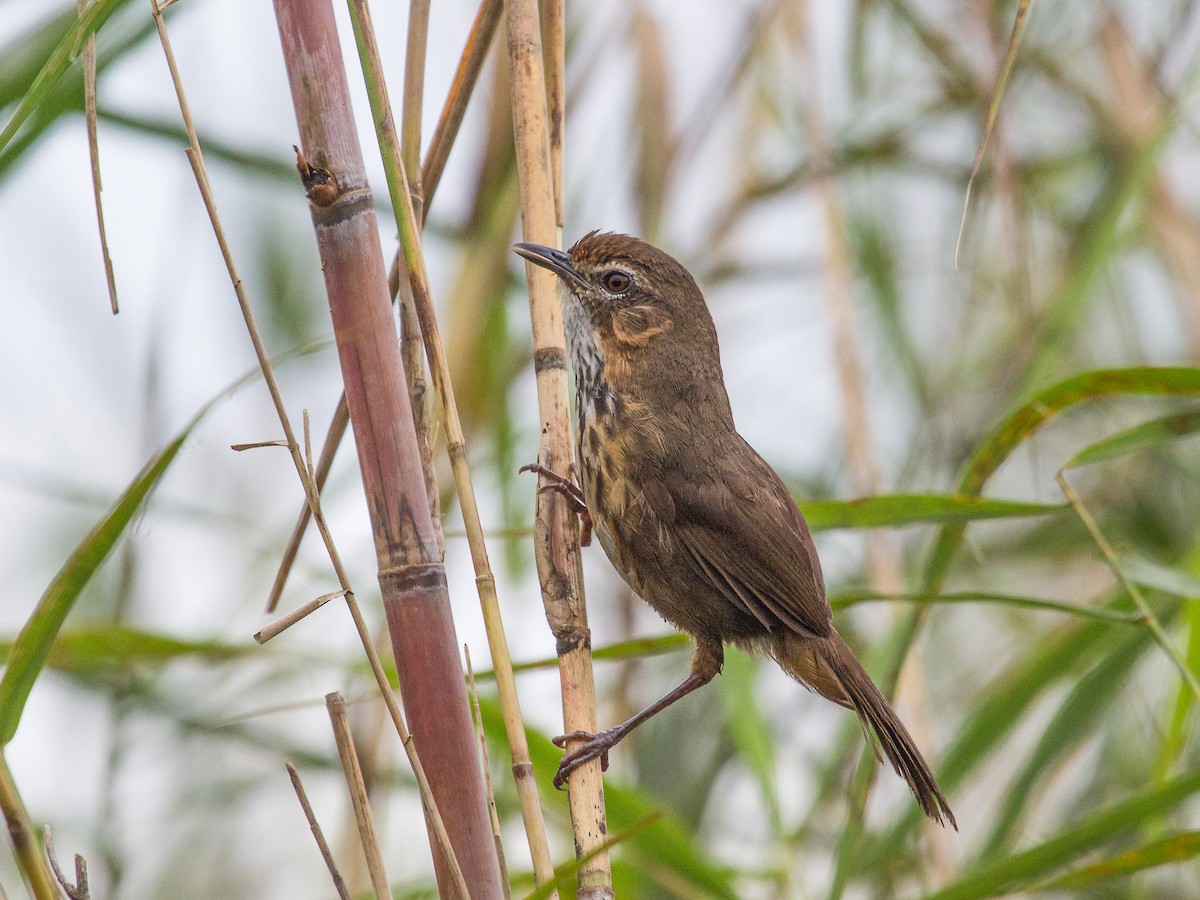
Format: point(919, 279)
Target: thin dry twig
point(487, 769)
point(339, 883)
point(1010, 57)
point(336, 705)
point(470, 64)
point(196, 158)
point(89, 107)
point(77, 891)
point(283, 623)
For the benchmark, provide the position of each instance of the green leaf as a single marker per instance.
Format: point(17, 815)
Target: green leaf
point(1059, 656)
point(910, 509)
point(1152, 574)
point(1008, 873)
point(57, 64)
point(635, 648)
point(1156, 431)
point(32, 647)
point(1030, 416)
point(566, 873)
point(1125, 617)
point(1174, 849)
point(89, 649)
point(1086, 708)
point(665, 842)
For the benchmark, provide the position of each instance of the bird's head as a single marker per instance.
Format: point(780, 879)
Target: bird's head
point(629, 295)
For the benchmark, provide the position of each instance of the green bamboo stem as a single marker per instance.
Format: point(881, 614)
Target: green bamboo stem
point(33, 865)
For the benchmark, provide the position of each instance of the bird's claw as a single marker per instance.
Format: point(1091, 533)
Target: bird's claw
point(594, 745)
point(568, 488)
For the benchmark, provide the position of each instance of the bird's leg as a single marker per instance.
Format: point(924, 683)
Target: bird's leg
point(561, 484)
point(706, 665)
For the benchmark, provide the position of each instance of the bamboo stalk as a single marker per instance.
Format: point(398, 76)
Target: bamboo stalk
point(336, 706)
point(349, 275)
point(411, 575)
point(418, 282)
point(469, 67)
point(556, 539)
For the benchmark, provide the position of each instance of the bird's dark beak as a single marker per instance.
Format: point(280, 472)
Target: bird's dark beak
point(557, 261)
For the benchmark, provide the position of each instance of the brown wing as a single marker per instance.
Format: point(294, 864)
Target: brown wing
point(745, 533)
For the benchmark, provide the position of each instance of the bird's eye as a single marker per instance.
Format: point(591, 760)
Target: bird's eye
point(616, 281)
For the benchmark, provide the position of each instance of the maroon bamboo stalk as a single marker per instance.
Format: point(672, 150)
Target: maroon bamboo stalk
point(411, 576)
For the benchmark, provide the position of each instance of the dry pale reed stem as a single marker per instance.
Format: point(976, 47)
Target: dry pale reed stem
point(470, 64)
point(412, 353)
point(333, 439)
point(196, 158)
point(469, 67)
point(1138, 109)
point(32, 864)
point(409, 229)
point(89, 107)
point(554, 48)
point(339, 884)
point(556, 540)
point(487, 769)
point(283, 623)
point(336, 705)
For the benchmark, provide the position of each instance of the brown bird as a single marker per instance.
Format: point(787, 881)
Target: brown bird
point(691, 516)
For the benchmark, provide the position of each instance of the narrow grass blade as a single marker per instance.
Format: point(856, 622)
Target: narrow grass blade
point(890, 510)
point(104, 647)
point(1086, 709)
point(1124, 617)
point(1177, 848)
point(665, 842)
point(1008, 873)
point(1037, 411)
point(565, 875)
point(54, 67)
point(32, 647)
point(1156, 431)
point(1010, 57)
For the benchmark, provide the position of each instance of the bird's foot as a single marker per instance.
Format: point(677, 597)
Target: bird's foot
point(561, 484)
point(594, 745)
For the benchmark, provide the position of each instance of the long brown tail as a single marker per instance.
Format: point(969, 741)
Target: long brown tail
point(827, 666)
